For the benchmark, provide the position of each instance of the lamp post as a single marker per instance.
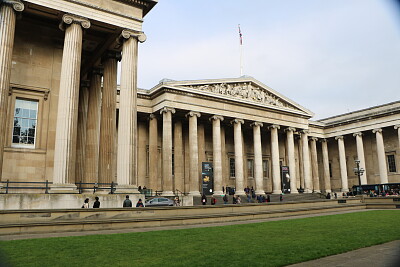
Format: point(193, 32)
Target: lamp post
point(358, 171)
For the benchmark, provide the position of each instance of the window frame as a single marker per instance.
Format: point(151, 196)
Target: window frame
point(22, 117)
point(388, 162)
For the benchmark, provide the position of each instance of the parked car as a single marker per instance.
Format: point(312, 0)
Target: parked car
point(159, 201)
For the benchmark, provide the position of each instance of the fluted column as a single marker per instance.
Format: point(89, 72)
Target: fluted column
point(306, 162)
point(397, 127)
point(360, 156)
point(67, 115)
point(193, 154)
point(167, 150)
point(178, 157)
point(325, 162)
point(380, 150)
point(7, 31)
point(93, 128)
point(314, 164)
point(108, 123)
point(276, 172)
point(238, 140)
point(153, 153)
point(258, 168)
point(292, 162)
point(127, 123)
point(342, 162)
point(81, 137)
point(217, 153)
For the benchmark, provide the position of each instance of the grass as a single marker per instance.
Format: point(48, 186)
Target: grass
point(275, 243)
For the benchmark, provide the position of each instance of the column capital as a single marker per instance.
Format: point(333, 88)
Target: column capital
point(193, 113)
point(216, 117)
point(357, 134)
point(71, 19)
point(98, 71)
point(152, 117)
point(127, 33)
point(323, 140)
point(85, 84)
point(304, 131)
point(290, 129)
point(17, 5)
point(397, 127)
point(378, 130)
point(167, 109)
point(339, 137)
point(315, 139)
point(256, 124)
point(273, 126)
point(111, 54)
point(236, 121)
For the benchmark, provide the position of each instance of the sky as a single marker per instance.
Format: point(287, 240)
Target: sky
point(329, 56)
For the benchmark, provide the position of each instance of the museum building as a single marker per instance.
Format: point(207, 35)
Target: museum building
point(65, 120)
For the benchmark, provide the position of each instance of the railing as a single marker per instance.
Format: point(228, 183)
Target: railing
point(96, 186)
point(45, 187)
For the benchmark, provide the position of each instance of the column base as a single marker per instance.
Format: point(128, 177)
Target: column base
point(126, 189)
point(317, 191)
point(194, 193)
point(63, 188)
point(260, 192)
point(277, 192)
point(328, 191)
point(167, 194)
point(218, 193)
point(240, 193)
point(308, 191)
point(294, 191)
point(344, 190)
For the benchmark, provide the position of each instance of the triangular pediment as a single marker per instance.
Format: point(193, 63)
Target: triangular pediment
point(245, 89)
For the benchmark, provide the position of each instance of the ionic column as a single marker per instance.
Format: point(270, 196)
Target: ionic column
point(127, 122)
point(194, 154)
point(397, 127)
point(380, 150)
point(237, 136)
point(342, 162)
point(276, 173)
point(360, 156)
point(217, 155)
point(67, 115)
point(167, 150)
point(7, 31)
point(258, 168)
point(178, 157)
point(292, 162)
point(314, 164)
point(93, 128)
point(81, 137)
point(306, 162)
point(108, 122)
point(325, 162)
point(153, 153)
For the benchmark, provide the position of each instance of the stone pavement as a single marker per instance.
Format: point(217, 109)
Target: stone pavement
point(384, 255)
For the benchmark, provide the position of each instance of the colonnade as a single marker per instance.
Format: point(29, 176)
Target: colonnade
point(85, 146)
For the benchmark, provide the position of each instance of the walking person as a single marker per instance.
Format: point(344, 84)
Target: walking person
point(225, 199)
point(127, 202)
point(96, 203)
point(203, 199)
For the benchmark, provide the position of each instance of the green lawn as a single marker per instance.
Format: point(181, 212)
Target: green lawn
point(275, 243)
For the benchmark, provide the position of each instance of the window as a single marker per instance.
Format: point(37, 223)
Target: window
point(25, 121)
point(391, 163)
point(265, 169)
point(250, 168)
point(330, 170)
point(232, 167)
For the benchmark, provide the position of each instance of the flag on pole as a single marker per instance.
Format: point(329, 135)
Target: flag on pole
point(240, 35)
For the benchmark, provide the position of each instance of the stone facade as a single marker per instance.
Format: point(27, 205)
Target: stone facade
point(63, 125)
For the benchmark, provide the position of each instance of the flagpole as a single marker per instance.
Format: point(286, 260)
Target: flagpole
point(241, 51)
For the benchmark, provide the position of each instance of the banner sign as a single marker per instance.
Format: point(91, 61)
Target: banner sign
point(207, 178)
point(285, 178)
